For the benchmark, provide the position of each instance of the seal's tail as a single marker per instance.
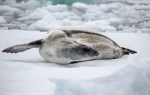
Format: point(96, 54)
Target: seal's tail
point(127, 51)
point(23, 47)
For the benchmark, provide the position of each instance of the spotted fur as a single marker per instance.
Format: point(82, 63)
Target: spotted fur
point(71, 45)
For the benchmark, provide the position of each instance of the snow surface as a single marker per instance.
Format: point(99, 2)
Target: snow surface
point(27, 73)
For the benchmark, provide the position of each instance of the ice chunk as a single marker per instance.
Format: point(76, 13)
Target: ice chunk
point(74, 17)
point(130, 30)
point(30, 3)
point(61, 15)
point(36, 15)
point(147, 24)
point(22, 4)
point(9, 19)
point(124, 81)
point(100, 28)
point(110, 7)
point(77, 23)
point(102, 22)
point(145, 30)
point(140, 7)
point(145, 2)
point(108, 28)
point(46, 23)
point(80, 6)
point(116, 21)
point(57, 8)
point(8, 14)
point(144, 63)
point(2, 20)
point(120, 27)
point(139, 32)
point(23, 26)
point(91, 25)
point(11, 26)
point(5, 8)
point(4, 28)
point(29, 22)
point(134, 30)
point(97, 15)
point(66, 22)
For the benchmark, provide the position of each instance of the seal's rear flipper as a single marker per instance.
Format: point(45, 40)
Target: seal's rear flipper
point(23, 47)
point(127, 51)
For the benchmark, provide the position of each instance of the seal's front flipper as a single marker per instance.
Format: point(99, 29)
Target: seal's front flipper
point(78, 52)
point(127, 51)
point(23, 47)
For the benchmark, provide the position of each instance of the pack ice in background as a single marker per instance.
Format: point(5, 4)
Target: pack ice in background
point(127, 22)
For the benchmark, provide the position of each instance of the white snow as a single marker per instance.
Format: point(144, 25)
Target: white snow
point(28, 73)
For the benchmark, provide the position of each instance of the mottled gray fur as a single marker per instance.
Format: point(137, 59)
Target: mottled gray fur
point(70, 45)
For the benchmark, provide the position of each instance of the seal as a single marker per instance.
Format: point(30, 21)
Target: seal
point(71, 45)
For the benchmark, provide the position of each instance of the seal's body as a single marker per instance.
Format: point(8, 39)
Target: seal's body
point(70, 45)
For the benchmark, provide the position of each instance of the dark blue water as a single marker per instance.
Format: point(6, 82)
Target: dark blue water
point(69, 2)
